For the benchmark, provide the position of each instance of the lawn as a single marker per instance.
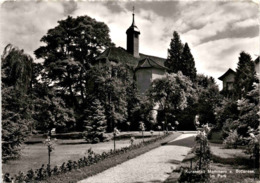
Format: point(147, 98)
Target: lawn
point(234, 161)
point(34, 155)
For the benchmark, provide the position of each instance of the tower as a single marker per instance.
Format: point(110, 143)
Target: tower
point(132, 40)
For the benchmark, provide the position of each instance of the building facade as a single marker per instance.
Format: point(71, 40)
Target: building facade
point(228, 79)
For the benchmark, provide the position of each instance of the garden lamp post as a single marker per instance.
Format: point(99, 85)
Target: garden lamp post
point(142, 128)
point(163, 125)
point(176, 125)
point(197, 123)
point(116, 132)
point(159, 128)
point(169, 126)
point(50, 146)
point(128, 125)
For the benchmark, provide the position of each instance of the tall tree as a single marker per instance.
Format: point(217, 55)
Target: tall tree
point(110, 88)
point(174, 62)
point(245, 75)
point(70, 49)
point(16, 70)
point(208, 99)
point(173, 93)
point(188, 64)
point(16, 121)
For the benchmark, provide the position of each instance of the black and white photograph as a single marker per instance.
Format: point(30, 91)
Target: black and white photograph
point(130, 91)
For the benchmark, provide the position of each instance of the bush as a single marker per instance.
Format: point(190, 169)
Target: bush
point(215, 136)
point(232, 140)
point(202, 151)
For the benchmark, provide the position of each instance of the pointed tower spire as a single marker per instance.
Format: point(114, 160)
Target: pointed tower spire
point(132, 42)
point(133, 23)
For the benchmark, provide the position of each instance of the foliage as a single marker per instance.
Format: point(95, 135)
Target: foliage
point(188, 63)
point(110, 87)
point(95, 122)
point(253, 140)
point(232, 139)
point(245, 75)
point(180, 58)
point(17, 121)
point(173, 93)
point(70, 49)
point(135, 105)
point(248, 108)
point(173, 61)
point(202, 151)
point(226, 113)
point(51, 110)
point(208, 99)
point(16, 68)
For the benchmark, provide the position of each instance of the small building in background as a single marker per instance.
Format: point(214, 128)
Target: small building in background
point(228, 79)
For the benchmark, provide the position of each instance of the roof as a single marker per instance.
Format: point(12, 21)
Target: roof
point(229, 71)
point(159, 60)
point(120, 55)
point(133, 27)
point(149, 63)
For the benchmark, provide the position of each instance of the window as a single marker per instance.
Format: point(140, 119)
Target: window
point(229, 86)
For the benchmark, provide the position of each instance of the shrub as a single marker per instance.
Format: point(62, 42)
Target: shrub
point(232, 140)
point(202, 151)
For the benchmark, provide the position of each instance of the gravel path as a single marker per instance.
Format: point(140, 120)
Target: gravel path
point(153, 166)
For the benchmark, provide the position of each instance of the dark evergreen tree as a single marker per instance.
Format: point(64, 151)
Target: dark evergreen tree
point(174, 62)
point(245, 75)
point(95, 122)
point(188, 64)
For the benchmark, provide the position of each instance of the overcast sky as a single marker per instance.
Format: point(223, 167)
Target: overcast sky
point(215, 31)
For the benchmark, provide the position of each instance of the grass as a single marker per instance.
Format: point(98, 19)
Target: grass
point(35, 154)
point(83, 173)
point(231, 160)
